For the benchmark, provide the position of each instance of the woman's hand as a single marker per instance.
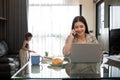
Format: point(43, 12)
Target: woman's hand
point(72, 33)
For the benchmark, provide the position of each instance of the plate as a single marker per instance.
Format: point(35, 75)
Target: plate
point(46, 60)
point(59, 65)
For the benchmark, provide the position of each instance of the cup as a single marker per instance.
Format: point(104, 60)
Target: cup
point(35, 59)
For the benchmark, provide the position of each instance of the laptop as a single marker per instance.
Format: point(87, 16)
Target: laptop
point(85, 53)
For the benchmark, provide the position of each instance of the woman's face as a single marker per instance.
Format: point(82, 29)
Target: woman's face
point(79, 28)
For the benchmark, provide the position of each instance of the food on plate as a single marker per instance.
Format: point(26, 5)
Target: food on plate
point(57, 61)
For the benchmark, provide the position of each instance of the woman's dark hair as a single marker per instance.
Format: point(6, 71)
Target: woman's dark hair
point(28, 35)
point(81, 19)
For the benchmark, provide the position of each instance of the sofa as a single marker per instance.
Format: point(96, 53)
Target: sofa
point(9, 63)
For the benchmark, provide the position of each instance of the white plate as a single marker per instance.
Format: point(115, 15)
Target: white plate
point(64, 62)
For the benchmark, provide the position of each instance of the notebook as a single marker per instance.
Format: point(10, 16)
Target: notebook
point(85, 53)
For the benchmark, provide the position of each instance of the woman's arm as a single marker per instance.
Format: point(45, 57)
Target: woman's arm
point(69, 41)
point(67, 47)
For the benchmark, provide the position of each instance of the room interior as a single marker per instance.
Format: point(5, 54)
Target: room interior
point(98, 13)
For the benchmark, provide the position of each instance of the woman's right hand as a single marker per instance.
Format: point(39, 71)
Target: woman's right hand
point(72, 33)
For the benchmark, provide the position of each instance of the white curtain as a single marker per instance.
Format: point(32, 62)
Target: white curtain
point(50, 26)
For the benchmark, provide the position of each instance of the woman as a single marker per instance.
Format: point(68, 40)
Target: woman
point(80, 35)
point(24, 51)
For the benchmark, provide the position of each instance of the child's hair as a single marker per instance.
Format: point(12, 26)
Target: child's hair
point(28, 34)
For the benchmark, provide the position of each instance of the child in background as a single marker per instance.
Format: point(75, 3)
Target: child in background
point(24, 51)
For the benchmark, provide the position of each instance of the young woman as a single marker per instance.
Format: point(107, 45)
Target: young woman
point(24, 51)
point(79, 34)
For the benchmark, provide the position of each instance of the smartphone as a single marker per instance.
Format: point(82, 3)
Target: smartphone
point(75, 35)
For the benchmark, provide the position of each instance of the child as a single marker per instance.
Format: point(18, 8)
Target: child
point(24, 51)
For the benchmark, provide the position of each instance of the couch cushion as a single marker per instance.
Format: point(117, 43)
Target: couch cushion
point(3, 50)
point(6, 60)
point(5, 45)
point(9, 68)
point(5, 67)
point(5, 75)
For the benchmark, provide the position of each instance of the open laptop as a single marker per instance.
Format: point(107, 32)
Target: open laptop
point(85, 53)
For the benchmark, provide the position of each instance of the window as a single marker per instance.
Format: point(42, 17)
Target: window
point(114, 17)
point(50, 25)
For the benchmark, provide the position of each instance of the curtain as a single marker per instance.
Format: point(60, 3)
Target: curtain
point(50, 26)
point(17, 24)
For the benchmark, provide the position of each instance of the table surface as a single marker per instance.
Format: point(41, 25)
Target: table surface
point(46, 70)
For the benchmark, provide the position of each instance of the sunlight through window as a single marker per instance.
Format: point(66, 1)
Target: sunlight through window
point(50, 26)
